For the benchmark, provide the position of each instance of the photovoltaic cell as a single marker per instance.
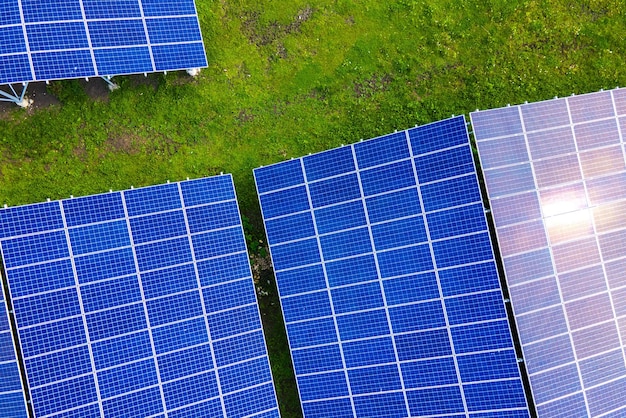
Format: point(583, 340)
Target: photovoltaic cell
point(12, 400)
point(556, 177)
point(90, 38)
point(388, 284)
point(134, 303)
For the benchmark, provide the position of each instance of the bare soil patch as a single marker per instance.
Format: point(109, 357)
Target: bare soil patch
point(374, 84)
point(96, 88)
point(262, 36)
point(36, 92)
point(124, 142)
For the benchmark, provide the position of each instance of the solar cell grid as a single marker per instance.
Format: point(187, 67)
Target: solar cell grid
point(88, 38)
point(387, 280)
point(12, 400)
point(125, 308)
point(556, 179)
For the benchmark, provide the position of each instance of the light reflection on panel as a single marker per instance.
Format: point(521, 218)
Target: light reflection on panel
point(559, 206)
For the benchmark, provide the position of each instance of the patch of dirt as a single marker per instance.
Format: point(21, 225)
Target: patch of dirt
point(37, 92)
point(281, 51)
point(260, 266)
point(245, 115)
point(262, 36)
point(80, 152)
point(124, 142)
point(371, 86)
point(96, 88)
point(5, 109)
point(303, 15)
point(152, 80)
point(178, 78)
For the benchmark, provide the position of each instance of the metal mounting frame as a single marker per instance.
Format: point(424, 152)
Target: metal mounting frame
point(108, 79)
point(13, 96)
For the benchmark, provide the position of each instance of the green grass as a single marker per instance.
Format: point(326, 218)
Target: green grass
point(289, 78)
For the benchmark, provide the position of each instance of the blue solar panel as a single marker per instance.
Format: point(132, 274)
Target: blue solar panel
point(135, 303)
point(555, 173)
point(387, 279)
point(74, 38)
point(12, 401)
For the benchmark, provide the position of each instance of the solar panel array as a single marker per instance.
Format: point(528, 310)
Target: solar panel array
point(556, 177)
point(85, 38)
point(387, 280)
point(12, 401)
point(138, 304)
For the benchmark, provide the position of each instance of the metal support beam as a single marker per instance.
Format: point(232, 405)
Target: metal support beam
point(19, 98)
point(111, 84)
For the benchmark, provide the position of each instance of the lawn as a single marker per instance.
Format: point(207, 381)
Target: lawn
point(290, 78)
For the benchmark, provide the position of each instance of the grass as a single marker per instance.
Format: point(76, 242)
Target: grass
point(289, 78)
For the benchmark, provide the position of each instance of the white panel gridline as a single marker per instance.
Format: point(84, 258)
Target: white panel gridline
point(138, 303)
point(387, 280)
point(555, 173)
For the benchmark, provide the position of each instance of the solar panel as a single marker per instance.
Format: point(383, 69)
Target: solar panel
point(12, 401)
point(387, 280)
point(138, 303)
point(555, 173)
point(86, 38)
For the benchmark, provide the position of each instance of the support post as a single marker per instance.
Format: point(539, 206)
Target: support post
point(19, 98)
point(112, 86)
